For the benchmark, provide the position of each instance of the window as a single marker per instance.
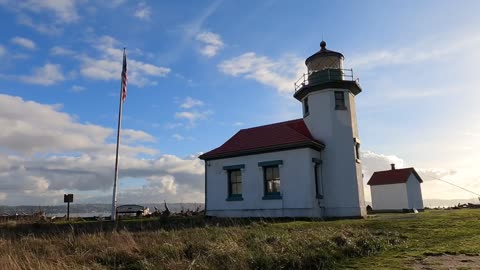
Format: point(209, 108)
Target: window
point(235, 183)
point(317, 171)
point(357, 150)
point(306, 109)
point(234, 173)
point(271, 177)
point(340, 101)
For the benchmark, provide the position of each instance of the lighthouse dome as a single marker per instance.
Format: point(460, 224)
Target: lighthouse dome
point(324, 59)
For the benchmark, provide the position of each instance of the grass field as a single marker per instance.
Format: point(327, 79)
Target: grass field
point(387, 241)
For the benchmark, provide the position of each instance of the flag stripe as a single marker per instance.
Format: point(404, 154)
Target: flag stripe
point(124, 77)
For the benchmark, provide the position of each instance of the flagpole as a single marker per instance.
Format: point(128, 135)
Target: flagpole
point(114, 199)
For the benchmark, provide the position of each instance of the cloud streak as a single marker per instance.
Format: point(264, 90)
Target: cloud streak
point(49, 74)
point(279, 74)
point(211, 43)
point(24, 42)
point(143, 11)
point(420, 52)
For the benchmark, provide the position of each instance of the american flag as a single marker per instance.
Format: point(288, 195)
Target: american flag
point(124, 77)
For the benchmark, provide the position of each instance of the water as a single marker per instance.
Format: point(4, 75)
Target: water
point(90, 214)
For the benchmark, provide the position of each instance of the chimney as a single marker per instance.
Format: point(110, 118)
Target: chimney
point(393, 166)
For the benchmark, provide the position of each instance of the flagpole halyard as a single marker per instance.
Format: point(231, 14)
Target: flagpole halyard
point(123, 95)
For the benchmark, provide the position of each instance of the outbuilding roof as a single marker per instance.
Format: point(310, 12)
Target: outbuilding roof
point(394, 176)
point(274, 137)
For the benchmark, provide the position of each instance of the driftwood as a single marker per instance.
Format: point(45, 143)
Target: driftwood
point(183, 212)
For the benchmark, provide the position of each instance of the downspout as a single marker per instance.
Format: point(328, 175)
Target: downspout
point(205, 205)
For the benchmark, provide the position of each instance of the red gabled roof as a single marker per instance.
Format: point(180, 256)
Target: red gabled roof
point(396, 176)
point(273, 137)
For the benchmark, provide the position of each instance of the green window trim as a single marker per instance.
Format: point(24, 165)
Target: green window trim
point(270, 163)
point(271, 182)
point(306, 108)
point(340, 100)
point(234, 167)
point(235, 186)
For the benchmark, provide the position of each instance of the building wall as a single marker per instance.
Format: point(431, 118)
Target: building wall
point(414, 192)
point(343, 174)
point(389, 197)
point(296, 183)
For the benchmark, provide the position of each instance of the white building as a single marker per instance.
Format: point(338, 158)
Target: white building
point(396, 189)
point(307, 167)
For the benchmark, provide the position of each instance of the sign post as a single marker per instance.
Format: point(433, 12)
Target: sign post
point(68, 198)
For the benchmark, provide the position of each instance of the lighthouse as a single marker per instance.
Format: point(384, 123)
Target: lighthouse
point(327, 93)
point(306, 167)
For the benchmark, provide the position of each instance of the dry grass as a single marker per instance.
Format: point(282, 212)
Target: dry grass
point(249, 245)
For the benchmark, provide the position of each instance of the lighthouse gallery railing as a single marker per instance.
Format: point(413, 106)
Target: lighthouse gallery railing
point(322, 76)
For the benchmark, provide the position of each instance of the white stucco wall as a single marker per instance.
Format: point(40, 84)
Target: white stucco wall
point(296, 183)
point(337, 129)
point(414, 192)
point(389, 197)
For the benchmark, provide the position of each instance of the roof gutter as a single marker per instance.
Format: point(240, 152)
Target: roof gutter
point(314, 145)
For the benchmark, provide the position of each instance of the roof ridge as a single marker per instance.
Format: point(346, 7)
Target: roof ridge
point(309, 136)
point(278, 123)
point(396, 169)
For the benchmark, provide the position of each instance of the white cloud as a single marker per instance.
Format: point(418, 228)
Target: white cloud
point(238, 124)
point(77, 88)
point(190, 102)
point(418, 52)
point(192, 117)
point(48, 74)
point(211, 43)
point(2, 51)
point(24, 42)
point(44, 28)
point(37, 127)
point(57, 50)
point(143, 11)
point(178, 137)
point(130, 135)
point(64, 10)
point(58, 13)
point(112, 3)
point(280, 74)
point(108, 66)
point(47, 152)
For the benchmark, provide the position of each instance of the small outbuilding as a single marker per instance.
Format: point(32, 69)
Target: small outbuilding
point(396, 190)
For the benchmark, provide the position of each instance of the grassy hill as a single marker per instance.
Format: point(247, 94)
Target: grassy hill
point(388, 241)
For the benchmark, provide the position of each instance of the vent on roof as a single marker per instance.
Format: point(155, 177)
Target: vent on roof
point(393, 166)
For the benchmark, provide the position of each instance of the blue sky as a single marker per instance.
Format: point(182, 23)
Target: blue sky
point(201, 70)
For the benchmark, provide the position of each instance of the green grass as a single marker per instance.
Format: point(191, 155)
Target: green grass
point(388, 241)
point(429, 233)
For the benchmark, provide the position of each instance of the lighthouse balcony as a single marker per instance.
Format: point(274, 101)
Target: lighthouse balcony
point(326, 78)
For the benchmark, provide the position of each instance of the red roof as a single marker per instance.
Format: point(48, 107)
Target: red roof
point(396, 176)
point(273, 137)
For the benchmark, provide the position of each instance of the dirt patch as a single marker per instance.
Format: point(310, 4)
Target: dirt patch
point(444, 261)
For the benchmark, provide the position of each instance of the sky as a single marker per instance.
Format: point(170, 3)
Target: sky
point(201, 70)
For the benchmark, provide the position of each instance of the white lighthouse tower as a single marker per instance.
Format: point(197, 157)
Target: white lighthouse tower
point(327, 93)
